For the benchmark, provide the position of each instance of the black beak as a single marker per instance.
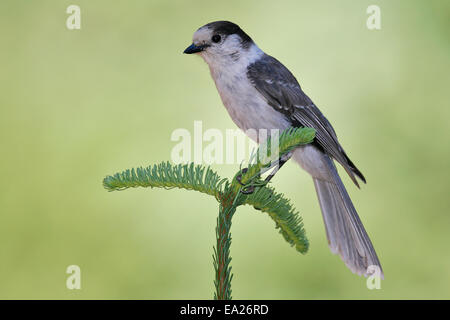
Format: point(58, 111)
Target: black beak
point(193, 49)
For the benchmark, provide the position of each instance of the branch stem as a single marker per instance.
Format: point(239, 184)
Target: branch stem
point(222, 257)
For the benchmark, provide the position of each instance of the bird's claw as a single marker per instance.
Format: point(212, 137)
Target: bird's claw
point(239, 176)
point(246, 189)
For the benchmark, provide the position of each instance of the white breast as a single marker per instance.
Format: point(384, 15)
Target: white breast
point(246, 106)
point(249, 109)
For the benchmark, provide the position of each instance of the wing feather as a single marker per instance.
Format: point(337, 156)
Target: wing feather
point(282, 91)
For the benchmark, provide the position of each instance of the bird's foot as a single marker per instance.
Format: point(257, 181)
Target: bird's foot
point(248, 189)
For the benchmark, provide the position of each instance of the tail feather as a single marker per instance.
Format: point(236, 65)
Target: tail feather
point(345, 231)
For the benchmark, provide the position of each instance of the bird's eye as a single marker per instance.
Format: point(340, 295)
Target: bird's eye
point(216, 38)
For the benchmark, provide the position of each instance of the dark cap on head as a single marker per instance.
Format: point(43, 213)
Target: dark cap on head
point(229, 28)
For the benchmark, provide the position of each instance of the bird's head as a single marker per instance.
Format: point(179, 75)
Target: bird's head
point(221, 43)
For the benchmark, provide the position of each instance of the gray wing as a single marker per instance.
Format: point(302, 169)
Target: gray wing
point(282, 91)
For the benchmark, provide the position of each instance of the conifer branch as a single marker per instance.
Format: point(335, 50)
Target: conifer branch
point(221, 256)
point(230, 195)
point(167, 176)
point(281, 211)
point(288, 140)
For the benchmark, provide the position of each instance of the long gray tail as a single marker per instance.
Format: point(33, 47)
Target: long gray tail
point(345, 231)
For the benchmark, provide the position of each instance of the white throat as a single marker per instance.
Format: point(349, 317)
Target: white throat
point(233, 62)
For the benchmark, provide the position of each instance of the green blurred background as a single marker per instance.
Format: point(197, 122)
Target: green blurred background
point(78, 105)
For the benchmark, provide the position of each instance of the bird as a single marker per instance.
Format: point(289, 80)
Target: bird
point(260, 93)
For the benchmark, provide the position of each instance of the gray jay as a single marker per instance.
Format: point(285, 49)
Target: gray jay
point(261, 93)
